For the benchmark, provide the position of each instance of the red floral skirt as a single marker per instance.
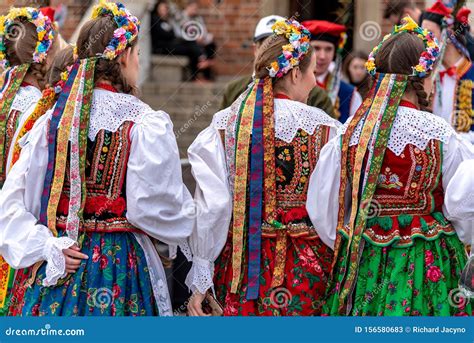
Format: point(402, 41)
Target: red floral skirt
point(307, 266)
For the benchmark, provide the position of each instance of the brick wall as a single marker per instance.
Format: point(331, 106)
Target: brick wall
point(232, 23)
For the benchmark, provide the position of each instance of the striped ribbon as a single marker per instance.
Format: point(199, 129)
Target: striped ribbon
point(244, 131)
point(52, 134)
point(14, 80)
point(256, 197)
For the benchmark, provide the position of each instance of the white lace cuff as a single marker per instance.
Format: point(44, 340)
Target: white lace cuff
point(186, 250)
point(200, 276)
point(56, 261)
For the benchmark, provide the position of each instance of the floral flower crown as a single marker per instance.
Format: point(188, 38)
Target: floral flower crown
point(44, 27)
point(428, 57)
point(293, 52)
point(127, 31)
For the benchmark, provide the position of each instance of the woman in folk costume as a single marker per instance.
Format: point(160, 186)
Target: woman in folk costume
point(112, 180)
point(57, 77)
point(381, 203)
point(251, 168)
point(27, 46)
point(454, 79)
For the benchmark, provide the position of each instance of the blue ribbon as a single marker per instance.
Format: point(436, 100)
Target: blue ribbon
point(256, 196)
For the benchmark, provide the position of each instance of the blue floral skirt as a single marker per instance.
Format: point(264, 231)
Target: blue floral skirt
point(114, 281)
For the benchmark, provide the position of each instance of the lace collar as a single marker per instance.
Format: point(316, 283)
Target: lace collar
point(290, 116)
point(25, 97)
point(109, 110)
point(411, 126)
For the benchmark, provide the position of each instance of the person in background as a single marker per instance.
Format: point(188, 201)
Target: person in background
point(193, 28)
point(317, 98)
point(397, 9)
point(325, 39)
point(454, 84)
point(382, 205)
point(164, 40)
point(355, 72)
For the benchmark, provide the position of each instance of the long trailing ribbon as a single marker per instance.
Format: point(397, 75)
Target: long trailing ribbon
point(256, 196)
point(244, 131)
point(52, 133)
point(254, 128)
point(79, 134)
point(16, 78)
point(61, 153)
point(376, 133)
point(13, 78)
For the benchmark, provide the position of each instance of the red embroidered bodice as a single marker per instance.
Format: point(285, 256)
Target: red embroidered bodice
point(105, 206)
point(294, 163)
point(409, 197)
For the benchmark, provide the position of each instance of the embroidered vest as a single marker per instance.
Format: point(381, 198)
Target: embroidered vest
point(294, 164)
point(408, 199)
point(106, 205)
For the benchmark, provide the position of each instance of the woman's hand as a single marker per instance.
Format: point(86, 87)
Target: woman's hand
point(73, 258)
point(195, 305)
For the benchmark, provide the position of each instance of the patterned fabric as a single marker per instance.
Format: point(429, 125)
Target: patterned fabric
point(114, 281)
point(306, 260)
point(418, 280)
point(408, 200)
point(105, 206)
point(7, 96)
point(242, 149)
point(463, 114)
point(8, 124)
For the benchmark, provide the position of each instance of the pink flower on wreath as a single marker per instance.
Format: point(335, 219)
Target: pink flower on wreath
point(429, 259)
point(404, 302)
point(407, 309)
point(434, 274)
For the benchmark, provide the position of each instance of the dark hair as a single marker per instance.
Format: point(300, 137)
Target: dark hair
point(93, 38)
point(398, 55)
point(348, 60)
point(20, 43)
point(363, 86)
point(62, 60)
point(269, 51)
point(396, 7)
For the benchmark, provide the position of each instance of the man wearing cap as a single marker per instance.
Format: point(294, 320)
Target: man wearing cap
point(398, 9)
point(454, 83)
point(325, 39)
point(317, 98)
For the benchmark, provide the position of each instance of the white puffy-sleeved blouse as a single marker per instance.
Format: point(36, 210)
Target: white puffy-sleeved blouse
point(154, 190)
point(213, 196)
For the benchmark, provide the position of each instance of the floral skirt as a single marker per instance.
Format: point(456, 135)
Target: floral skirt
point(419, 280)
point(306, 275)
point(114, 281)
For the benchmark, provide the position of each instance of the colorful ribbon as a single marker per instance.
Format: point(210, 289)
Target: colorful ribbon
point(52, 134)
point(256, 195)
point(16, 76)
